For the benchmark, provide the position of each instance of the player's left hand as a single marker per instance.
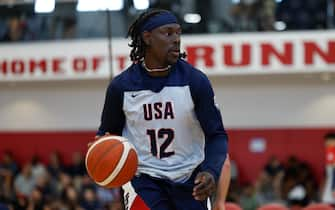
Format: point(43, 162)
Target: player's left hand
point(204, 186)
point(96, 138)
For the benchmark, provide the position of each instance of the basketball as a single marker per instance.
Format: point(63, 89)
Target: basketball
point(111, 161)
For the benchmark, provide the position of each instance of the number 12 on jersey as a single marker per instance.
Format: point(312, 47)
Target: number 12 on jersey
point(160, 140)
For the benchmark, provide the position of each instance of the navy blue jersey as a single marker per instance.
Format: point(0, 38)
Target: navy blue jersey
point(172, 121)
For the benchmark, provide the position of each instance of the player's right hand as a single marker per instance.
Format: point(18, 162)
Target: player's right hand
point(97, 138)
point(204, 186)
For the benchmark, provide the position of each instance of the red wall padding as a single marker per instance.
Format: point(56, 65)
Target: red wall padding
point(306, 144)
point(25, 144)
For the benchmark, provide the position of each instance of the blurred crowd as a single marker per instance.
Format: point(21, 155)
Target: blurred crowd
point(291, 184)
point(19, 23)
point(52, 186)
point(269, 15)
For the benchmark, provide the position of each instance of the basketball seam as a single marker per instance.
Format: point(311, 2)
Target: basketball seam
point(120, 138)
point(119, 166)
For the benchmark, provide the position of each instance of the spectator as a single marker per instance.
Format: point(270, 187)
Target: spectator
point(290, 173)
point(21, 203)
point(55, 166)
point(54, 205)
point(38, 169)
point(63, 181)
point(47, 188)
point(269, 182)
point(249, 200)
point(64, 21)
point(108, 195)
point(303, 191)
point(329, 185)
point(77, 167)
point(36, 200)
point(244, 15)
point(117, 205)
point(273, 168)
point(24, 183)
point(296, 197)
point(307, 180)
point(71, 198)
point(8, 169)
point(90, 200)
point(266, 14)
point(15, 30)
point(9, 163)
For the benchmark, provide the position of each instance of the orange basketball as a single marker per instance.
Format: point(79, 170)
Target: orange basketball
point(111, 161)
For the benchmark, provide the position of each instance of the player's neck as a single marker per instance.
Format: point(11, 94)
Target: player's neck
point(156, 71)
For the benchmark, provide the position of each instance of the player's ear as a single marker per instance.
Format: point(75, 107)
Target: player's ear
point(146, 38)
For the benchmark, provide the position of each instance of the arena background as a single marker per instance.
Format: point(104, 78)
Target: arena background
point(276, 89)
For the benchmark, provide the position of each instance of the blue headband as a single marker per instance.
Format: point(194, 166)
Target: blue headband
point(159, 20)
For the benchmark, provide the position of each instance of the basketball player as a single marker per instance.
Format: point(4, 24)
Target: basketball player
point(166, 109)
point(223, 186)
point(328, 195)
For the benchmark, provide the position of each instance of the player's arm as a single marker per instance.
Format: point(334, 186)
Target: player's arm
point(223, 186)
point(210, 120)
point(112, 117)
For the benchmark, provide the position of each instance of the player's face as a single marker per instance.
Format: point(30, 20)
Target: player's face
point(164, 44)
